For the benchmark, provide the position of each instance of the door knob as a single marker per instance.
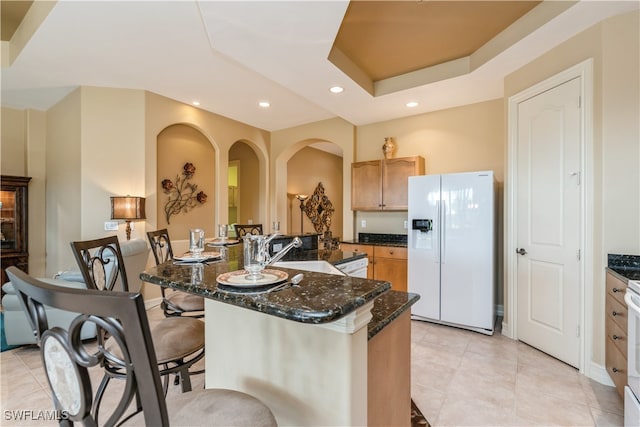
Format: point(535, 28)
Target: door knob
point(521, 251)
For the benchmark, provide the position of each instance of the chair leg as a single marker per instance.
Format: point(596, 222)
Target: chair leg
point(185, 380)
point(99, 395)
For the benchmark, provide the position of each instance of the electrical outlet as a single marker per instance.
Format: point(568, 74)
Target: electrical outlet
point(111, 226)
point(132, 225)
point(405, 225)
point(250, 221)
point(363, 223)
point(277, 247)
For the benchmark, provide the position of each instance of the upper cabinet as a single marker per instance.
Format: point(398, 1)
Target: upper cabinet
point(383, 184)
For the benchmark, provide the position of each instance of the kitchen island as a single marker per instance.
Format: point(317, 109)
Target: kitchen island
point(305, 351)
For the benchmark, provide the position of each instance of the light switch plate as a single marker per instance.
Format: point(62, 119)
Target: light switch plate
point(363, 223)
point(405, 224)
point(111, 226)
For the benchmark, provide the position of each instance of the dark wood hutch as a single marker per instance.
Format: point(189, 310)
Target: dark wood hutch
point(14, 237)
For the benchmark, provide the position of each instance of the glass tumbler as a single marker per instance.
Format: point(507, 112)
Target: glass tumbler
point(223, 230)
point(255, 258)
point(196, 241)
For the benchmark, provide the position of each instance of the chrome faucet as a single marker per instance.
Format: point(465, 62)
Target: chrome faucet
point(295, 243)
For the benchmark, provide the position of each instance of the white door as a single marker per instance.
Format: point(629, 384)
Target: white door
point(549, 221)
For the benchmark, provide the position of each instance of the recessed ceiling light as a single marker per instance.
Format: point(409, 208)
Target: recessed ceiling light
point(411, 104)
point(196, 103)
point(264, 104)
point(336, 89)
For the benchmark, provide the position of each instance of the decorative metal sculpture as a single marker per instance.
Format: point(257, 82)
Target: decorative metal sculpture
point(319, 209)
point(183, 195)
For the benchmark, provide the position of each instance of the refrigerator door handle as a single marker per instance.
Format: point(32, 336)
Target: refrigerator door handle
point(437, 232)
point(443, 231)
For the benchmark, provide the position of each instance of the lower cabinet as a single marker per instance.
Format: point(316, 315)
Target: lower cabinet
point(385, 263)
point(616, 328)
point(390, 263)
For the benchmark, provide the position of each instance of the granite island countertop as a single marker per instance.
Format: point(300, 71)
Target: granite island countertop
point(319, 298)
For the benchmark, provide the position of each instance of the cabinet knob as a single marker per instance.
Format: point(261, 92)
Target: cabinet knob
point(390, 252)
point(616, 290)
point(615, 370)
point(615, 337)
point(614, 313)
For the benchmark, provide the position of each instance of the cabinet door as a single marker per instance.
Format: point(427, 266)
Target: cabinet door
point(392, 270)
point(395, 181)
point(390, 263)
point(366, 186)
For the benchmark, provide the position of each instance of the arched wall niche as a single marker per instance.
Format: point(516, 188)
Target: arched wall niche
point(245, 199)
point(302, 167)
point(177, 145)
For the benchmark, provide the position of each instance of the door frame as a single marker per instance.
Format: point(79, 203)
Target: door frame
point(583, 70)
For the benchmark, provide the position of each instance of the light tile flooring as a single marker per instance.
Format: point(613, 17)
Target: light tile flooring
point(459, 378)
point(463, 378)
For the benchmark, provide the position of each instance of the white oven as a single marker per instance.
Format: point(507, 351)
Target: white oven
point(632, 390)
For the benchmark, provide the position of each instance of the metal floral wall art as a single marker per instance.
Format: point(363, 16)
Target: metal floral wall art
point(319, 209)
point(183, 195)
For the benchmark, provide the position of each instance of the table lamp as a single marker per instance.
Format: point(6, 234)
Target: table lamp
point(127, 208)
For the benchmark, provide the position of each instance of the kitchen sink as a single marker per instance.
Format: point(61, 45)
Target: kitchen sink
point(316, 266)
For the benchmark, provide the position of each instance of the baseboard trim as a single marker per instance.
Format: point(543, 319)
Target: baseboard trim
point(599, 373)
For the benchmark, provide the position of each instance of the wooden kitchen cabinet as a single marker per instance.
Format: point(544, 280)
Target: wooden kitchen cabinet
point(390, 263)
point(383, 184)
point(616, 329)
point(385, 263)
point(13, 222)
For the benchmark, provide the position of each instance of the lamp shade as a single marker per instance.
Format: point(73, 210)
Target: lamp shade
point(127, 208)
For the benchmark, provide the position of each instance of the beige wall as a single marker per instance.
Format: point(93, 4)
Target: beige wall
point(305, 170)
point(14, 144)
point(177, 145)
point(287, 142)
point(614, 47)
point(63, 186)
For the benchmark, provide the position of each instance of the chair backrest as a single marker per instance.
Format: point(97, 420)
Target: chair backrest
point(66, 358)
point(242, 229)
point(101, 263)
point(160, 245)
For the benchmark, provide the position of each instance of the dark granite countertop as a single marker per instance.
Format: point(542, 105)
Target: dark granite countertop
point(319, 298)
point(627, 267)
point(379, 239)
point(387, 307)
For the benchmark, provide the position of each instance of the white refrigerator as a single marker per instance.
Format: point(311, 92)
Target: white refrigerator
point(451, 249)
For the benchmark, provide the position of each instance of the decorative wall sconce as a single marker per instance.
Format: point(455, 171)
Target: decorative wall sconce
point(183, 195)
point(129, 209)
point(302, 198)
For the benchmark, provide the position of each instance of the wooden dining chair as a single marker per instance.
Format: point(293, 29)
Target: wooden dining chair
point(67, 361)
point(174, 302)
point(242, 229)
point(178, 342)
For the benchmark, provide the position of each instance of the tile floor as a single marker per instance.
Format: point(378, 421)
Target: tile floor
point(459, 378)
point(463, 378)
